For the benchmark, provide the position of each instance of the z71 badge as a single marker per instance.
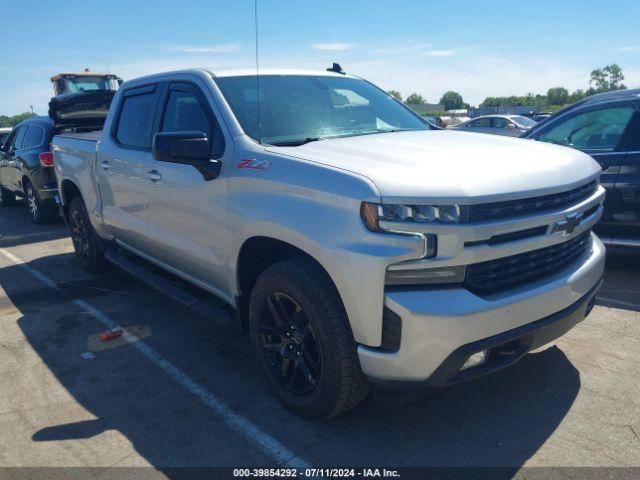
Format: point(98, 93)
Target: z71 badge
point(254, 164)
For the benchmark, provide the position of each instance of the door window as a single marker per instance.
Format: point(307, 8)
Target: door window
point(595, 131)
point(16, 142)
point(35, 137)
point(184, 113)
point(136, 120)
point(500, 123)
point(480, 123)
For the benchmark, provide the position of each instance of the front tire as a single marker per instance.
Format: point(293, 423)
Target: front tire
point(301, 335)
point(88, 246)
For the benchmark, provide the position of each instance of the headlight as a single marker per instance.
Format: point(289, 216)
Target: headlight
point(373, 213)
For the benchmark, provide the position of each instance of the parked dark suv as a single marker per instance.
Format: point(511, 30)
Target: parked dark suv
point(26, 168)
point(607, 127)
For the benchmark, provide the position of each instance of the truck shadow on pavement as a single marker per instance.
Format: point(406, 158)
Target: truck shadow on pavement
point(499, 420)
point(17, 229)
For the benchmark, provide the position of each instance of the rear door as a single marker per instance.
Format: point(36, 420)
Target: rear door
point(119, 164)
point(27, 164)
point(503, 126)
point(185, 209)
point(597, 131)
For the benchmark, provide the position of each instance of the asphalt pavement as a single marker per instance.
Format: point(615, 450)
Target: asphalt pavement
point(179, 390)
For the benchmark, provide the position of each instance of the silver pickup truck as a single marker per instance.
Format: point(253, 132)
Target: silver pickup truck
point(360, 247)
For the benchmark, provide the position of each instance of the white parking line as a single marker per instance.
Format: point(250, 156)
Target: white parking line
point(240, 424)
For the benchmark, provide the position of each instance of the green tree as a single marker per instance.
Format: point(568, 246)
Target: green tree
point(415, 99)
point(6, 121)
point(607, 78)
point(557, 96)
point(395, 94)
point(452, 101)
point(577, 95)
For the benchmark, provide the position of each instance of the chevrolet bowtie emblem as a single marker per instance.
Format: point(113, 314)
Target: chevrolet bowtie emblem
point(568, 225)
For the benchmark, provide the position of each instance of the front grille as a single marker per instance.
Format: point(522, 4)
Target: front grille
point(512, 208)
point(504, 273)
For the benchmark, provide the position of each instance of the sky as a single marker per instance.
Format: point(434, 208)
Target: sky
point(477, 48)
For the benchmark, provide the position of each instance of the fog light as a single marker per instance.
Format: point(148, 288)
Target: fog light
point(423, 276)
point(475, 360)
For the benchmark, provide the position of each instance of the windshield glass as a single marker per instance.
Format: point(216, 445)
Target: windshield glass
point(300, 108)
point(524, 121)
point(85, 84)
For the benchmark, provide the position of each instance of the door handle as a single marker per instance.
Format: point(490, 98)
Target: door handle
point(105, 165)
point(154, 176)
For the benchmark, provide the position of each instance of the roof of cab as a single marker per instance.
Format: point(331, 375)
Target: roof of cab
point(235, 73)
point(612, 95)
point(82, 74)
point(251, 72)
point(38, 120)
point(605, 97)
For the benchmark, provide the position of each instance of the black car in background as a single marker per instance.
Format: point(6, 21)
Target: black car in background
point(607, 127)
point(26, 168)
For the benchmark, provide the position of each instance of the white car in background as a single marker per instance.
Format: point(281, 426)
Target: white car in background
point(508, 125)
point(4, 133)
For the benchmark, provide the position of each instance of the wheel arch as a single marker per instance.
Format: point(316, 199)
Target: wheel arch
point(256, 254)
point(24, 180)
point(68, 191)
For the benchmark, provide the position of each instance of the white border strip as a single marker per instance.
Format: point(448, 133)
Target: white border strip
point(240, 424)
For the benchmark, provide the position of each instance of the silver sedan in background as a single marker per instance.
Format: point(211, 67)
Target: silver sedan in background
point(509, 125)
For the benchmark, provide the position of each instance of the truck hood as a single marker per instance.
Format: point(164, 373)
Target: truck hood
point(452, 167)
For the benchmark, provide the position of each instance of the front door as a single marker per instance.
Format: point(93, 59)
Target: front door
point(12, 158)
point(597, 131)
point(185, 210)
point(627, 189)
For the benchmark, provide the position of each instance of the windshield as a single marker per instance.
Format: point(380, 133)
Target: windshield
point(525, 122)
point(85, 84)
point(295, 109)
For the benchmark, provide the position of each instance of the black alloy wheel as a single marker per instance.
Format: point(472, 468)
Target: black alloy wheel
point(290, 344)
point(32, 203)
point(79, 235)
point(88, 246)
point(301, 335)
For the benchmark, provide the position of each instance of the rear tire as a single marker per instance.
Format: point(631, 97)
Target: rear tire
point(7, 197)
point(39, 211)
point(88, 246)
point(301, 335)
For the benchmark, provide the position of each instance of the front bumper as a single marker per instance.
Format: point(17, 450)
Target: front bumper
point(442, 327)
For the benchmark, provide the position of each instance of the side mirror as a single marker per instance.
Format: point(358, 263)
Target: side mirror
point(191, 148)
point(511, 126)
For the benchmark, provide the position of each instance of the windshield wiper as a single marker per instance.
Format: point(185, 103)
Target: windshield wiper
point(296, 143)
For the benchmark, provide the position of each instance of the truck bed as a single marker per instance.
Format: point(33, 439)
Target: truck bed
point(74, 157)
point(92, 136)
